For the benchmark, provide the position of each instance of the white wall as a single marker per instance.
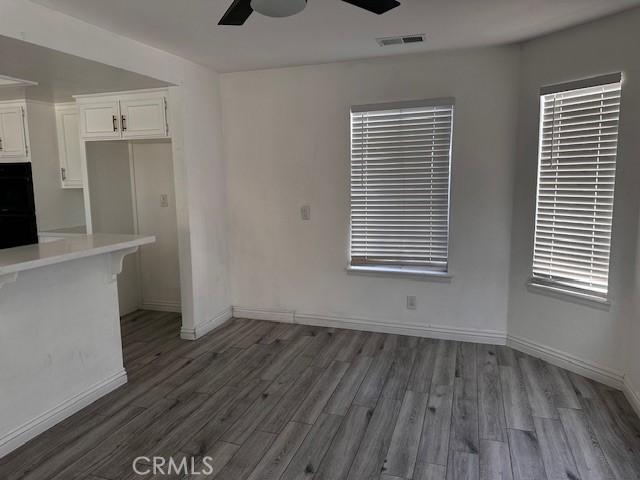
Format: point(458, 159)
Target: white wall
point(201, 205)
point(593, 335)
point(55, 207)
point(632, 373)
point(198, 161)
point(112, 209)
point(159, 268)
point(286, 134)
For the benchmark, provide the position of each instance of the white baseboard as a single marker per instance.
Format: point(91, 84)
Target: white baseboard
point(202, 329)
point(569, 362)
point(160, 306)
point(633, 395)
point(33, 428)
point(261, 314)
point(418, 330)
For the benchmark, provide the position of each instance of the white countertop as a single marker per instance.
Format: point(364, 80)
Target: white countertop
point(70, 248)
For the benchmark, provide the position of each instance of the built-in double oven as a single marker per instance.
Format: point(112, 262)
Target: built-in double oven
point(17, 207)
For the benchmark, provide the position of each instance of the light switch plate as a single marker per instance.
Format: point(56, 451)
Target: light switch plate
point(305, 212)
point(164, 200)
point(412, 303)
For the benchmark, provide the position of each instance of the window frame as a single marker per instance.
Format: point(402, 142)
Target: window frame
point(414, 271)
point(549, 286)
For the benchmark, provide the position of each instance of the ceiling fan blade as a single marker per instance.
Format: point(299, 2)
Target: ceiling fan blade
point(375, 6)
point(237, 13)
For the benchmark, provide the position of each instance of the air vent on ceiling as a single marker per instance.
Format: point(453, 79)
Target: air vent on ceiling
point(401, 40)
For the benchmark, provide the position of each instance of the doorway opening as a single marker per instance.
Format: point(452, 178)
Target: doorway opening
point(132, 191)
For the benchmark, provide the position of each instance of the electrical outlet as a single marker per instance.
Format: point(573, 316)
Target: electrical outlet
point(164, 200)
point(412, 304)
point(305, 212)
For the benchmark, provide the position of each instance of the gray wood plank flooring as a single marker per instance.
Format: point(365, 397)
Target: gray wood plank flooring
point(264, 401)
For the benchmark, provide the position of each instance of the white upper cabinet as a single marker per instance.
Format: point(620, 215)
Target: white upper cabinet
point(132, 115)
point(68, 128)
point(143, 117)
point(100, 120)
point(13, 139)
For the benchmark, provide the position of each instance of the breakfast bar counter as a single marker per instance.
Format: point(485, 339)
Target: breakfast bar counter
point(60, 345)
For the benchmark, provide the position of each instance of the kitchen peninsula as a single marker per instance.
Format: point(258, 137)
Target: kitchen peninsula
point(60, 345)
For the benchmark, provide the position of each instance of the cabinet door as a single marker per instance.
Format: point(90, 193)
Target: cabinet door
point(143, 117)
point(100, 120)
point(68, 125)
point(12, 134)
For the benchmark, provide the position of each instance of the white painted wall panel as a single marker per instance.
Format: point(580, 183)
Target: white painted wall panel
point(286, 138)
point(159, 267)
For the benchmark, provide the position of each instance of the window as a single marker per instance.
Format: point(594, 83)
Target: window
point(400, 169)
point(576, 178)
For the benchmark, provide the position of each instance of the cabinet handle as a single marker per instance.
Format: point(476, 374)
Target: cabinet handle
point(0, 144)
point(115, 123)
point(124, 123)
point(63, 172)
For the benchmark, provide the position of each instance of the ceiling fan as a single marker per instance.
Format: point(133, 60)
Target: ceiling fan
point(240, 10)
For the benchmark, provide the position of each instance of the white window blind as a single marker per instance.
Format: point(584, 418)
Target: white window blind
point(576, 179)
point(400, 169)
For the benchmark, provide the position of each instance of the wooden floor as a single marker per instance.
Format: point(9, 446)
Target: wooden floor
point(277, 401)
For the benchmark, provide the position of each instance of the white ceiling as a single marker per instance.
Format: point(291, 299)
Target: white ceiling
point(58, 75)
point(328, 30)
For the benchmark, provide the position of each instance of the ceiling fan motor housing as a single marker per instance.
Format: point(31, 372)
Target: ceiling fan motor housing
point(241, 10)
point(278, 8)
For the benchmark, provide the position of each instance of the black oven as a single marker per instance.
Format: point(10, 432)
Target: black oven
point(17, 206)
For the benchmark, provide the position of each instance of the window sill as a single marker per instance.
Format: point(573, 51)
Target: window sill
point(416, 273)
point(568, 295)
